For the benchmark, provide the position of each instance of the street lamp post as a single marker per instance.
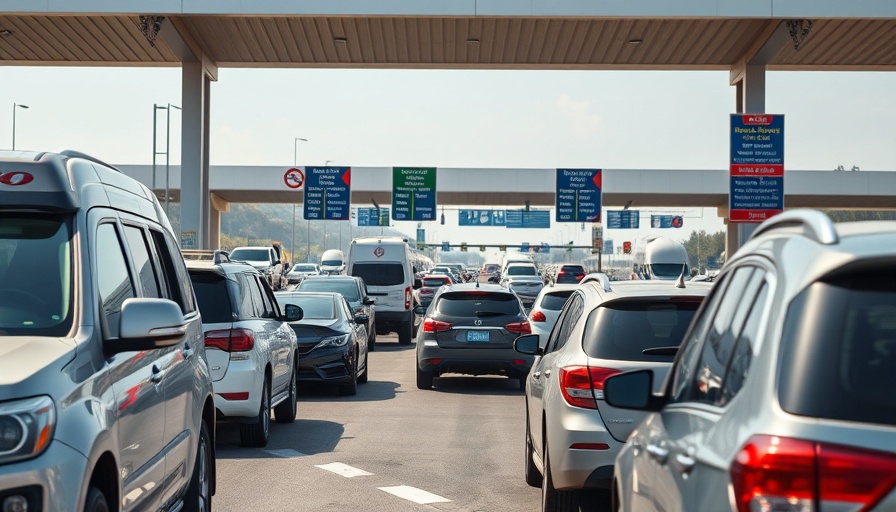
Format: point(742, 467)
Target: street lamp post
point(168, 155)
point(295, 163)
point(14, 107)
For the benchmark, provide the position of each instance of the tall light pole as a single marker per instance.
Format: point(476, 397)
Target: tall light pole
point(168, 155)
point(295, 163)
point(155, 152)
point(14, 107)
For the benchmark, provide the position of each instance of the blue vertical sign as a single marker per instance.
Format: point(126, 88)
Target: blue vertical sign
point(327, 193)
point(373, 217)
point(623, 219)
point(533, 219)
point(756, 169)
point(578, 195)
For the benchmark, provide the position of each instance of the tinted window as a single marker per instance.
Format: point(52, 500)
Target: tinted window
point(36, 274)
point(348, 289)
point(250, 255)
point(434, 281)
point(521, 270)
point(638, 329)
point(212, 296)
point(113, 280)
point(146, 275)
point(477, 304)
point(555, 301)
point(561, 332)
point(739, 365)
point(313, 307)
point(379, 274)
point(573, 269)
point(269, 310)
point(175, 260)
point(838, 358)
point(667, 270)
point(304, 268)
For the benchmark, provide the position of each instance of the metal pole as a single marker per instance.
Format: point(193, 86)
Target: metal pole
point(155, 109)
point(168, 156)
point(292, 247)
point(13, 126)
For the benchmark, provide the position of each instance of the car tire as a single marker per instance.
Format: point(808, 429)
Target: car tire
point(533, 476)
point(553, 500)
point(406, 334)
point(96, 501)
point(351, 388)
point(199, 491)
point(257, 433)
point(424, 379)
point(362, 379)
point(371, 341)
point(286, 411)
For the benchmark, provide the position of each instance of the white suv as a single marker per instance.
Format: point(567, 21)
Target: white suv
point(250, 347)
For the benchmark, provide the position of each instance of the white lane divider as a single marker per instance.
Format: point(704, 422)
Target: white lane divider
point(286, 453)
point(418, 496)
point(344, 470)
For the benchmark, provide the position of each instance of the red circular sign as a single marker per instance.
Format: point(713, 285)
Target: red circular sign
point(16, 178)
point(378, 252)
point(294, 178)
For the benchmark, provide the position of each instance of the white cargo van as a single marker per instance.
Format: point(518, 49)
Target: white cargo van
point(332, 261)
point(385, 265)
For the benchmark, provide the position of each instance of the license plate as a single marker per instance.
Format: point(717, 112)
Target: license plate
point(477, 335)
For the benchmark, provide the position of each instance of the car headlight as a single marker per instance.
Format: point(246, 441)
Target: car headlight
point(335, 341)
point(26, 428)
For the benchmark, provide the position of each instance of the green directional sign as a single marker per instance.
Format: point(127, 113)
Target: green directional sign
point(414, 193)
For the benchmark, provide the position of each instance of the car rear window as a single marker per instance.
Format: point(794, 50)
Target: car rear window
point(573, 269)
point(348, 289)
point(521, 270)
point(434, 281)
point(474, 304)
point(379, 274)
point(305, 268)
point(212, 296)
point(554, 301)
point(639, 329)
point(249, 255)
point(838, 357)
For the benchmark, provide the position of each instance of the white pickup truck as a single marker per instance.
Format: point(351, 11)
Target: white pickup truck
point(268, 261)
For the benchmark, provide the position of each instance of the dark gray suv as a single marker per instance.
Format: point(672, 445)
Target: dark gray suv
point(783, 396)
point(105, 394)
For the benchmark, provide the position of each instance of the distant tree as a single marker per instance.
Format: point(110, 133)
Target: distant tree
point(858, 215)
point(702, 246)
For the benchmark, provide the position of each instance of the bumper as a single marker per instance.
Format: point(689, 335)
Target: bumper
point(327, 365)
point(575, 468)
point(53, 481)
point(241, 377)
point(387, 321)
point(482, 361)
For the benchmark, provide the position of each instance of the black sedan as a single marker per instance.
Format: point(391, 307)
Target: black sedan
point(332, 341)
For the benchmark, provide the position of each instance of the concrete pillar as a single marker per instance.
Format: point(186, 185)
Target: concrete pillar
point(194, 156)
point(218, 206)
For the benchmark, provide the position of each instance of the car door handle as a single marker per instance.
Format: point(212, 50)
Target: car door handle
point(659, 453)
point(684, 463)
point(157, 374)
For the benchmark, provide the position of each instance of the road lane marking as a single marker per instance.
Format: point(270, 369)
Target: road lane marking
point(286, 453)
point(418, 496)
point(344, 470)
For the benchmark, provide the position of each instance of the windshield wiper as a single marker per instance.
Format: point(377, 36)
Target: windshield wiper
point(660, 351)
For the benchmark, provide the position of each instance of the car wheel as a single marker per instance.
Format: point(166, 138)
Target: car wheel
point(257, 432)
point(406, 334)
point(371, 341)
point(533, 476)
point(553, 500)
point(362, 379)
point(424, 379)
point(96, 501)
point(286, 411)
point(199, 492)
point(351, 388)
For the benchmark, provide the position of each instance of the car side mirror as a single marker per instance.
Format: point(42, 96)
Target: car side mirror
point(420, 310)
point(369, 301)
point(147, 324)
point(294, 313)
point(632, 390)
point(528, 344)
point(494, 279)
point(418, 283)
point(362, 318)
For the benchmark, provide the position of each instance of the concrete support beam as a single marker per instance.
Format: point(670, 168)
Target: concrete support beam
point(194, 155)
point(218, 205)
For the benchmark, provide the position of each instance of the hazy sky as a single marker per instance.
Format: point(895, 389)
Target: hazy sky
point(542, 119)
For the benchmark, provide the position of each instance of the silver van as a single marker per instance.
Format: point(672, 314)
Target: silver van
point(105, 395)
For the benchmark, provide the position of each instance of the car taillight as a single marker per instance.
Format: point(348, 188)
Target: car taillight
point(519, 327)
point(581, 385)
point(430, 325)
point(579, 277)
point(561, 274)
point(537, 316)
point(230, 340)
point(426, 291)
point(407, 298)
point(785, 474)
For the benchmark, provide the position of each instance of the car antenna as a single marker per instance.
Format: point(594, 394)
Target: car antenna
point(680, 282)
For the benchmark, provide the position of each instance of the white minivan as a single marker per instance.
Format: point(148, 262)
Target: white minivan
point(385, 265)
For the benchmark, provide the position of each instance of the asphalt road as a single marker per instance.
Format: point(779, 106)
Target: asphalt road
point(391, 448)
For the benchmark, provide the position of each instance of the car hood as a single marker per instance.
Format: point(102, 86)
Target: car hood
point(28, 357)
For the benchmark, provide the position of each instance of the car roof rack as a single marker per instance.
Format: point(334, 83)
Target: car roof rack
point(816, 225)
point(71, 153)
point(600, 277)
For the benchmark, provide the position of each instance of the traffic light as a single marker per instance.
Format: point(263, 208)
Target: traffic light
point(627, 247)
point(463, 247)
point(569, 249)
point(677, 221)
point(443, 218)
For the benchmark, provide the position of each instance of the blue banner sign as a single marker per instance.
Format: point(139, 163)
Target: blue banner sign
point(756, 170)
point(608, 247)
point(421, 236)
point(536, 219)
point(446, 246)
point(327, 193)
point(368, 217)
point(623, 219)
point(481, 218)
point(578, 195)
point(661, 221)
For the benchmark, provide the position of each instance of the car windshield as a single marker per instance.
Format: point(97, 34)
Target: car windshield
point(666, 270)
point(331, 263)
point(472, 304)
point(521, 270)
point(304, 268)
point(348, 289)
point(379, 274)
point(35, 274)
point(249, 255)
point(315, 306)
